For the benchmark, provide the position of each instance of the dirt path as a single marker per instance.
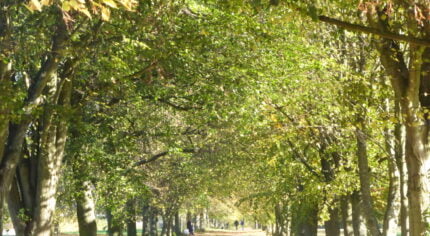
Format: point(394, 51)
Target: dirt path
point(232, 233)
point(248, 232)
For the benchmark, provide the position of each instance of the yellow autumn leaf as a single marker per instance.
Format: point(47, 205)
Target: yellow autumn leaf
point(46, 2)
point(95, 4)
point(34, 5)
point(76, 5)
point(105, 14)
point(66, 6)
point(85, 12)
point(110, 3)
point(128, 4)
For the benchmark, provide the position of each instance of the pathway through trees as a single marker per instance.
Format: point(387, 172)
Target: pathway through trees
point(233, 233)
point(241, 233)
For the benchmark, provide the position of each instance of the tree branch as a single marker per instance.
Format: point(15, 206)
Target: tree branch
point(159, 155)
point(171, 104)
point(300, 158)
point(374, 31)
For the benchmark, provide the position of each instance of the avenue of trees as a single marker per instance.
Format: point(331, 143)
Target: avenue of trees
point(300, 113)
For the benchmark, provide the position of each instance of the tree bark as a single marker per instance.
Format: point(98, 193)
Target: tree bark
point(332, 226)
point(17, 210)
point(114, 227)
point(277, 231)
point(153, 220)
point(346, 216)
point(131, 228)
point(399, 155)
point(177, 224)
point(410, 85)
point(32, 195)
point(145, 219)
point(393, 199)
point(281, 219)
point(164, 228)
point(17, 131)
point(49, 166)
point(417, 149)
point(131, 218)
point(417, 186)
point(85, 209)
point(305, 220)
point(170, 225)
point(4, 125)
point(3, 136)
point(364, 173)
point(6, 88)
point(357, 215)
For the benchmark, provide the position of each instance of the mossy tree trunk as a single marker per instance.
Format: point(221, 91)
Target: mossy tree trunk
point(85, 209)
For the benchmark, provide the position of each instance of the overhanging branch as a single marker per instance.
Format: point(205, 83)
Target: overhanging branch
point(298, 156)
point(171, 104)
point(374, 31)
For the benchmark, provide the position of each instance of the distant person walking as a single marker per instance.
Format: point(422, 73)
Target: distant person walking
point(236, 223)
point(242, 223)
point(190, 227)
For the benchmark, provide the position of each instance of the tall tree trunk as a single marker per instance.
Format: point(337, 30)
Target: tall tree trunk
point(417, 145)
point(6, 89)
point(278, 216)
point(305, 220)
point(153, 220)
point(417, 184)
point(170, 226)
point(177, 224)
point(85, 209)
point(4, 125)
point(404, 209)
point(48, 175)
point(114, 227)
point(201, 220)
point(145, 219)
point(393, 202)
point(131, 228)
point(17, 131)
point(332, 226)
point(131, 217)
point(206, 218)
point(49, 166)
point(33, 192)
point(164, 228)
point(411, 88)
point(392, 211)
point(357, 221)
point(22, 195)
point(399, 147)
point(346, 216)
point(281, 219)
point(16, 210)
point(363, 168)
point(3, 136)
